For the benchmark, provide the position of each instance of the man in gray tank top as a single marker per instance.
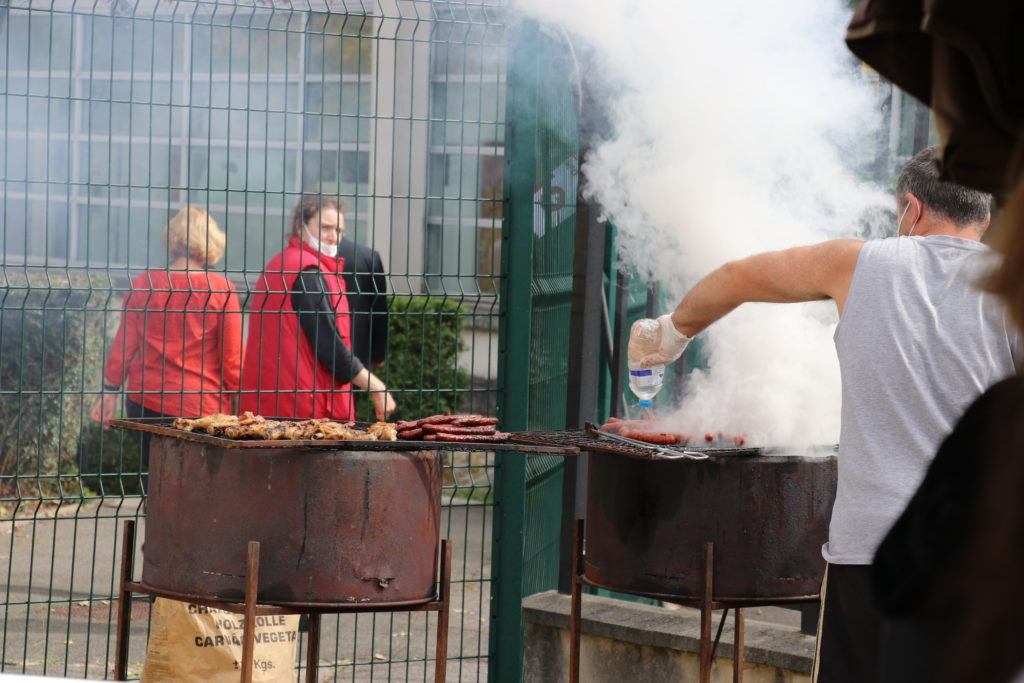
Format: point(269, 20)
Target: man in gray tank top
point(917, 342)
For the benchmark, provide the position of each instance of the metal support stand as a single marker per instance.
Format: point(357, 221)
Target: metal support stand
point(251, 609)
point(706, 604)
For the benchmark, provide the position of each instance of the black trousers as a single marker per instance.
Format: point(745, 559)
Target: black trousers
point(849, 630)
point(133, 410)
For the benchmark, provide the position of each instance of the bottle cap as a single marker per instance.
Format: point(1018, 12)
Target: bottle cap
point(644, 403)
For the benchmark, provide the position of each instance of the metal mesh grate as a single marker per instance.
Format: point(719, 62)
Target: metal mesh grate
point(162, 427)
point(579, 438)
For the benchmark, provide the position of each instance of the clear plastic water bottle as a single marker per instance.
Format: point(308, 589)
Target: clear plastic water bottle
point(644, 339)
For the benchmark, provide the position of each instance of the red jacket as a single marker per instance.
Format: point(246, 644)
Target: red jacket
point(178, 348)
point(281, 376)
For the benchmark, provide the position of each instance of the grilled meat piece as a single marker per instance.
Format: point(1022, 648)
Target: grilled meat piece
point(214, 424)
point(249, 426)
point(303, 430)
point(340, 432)
point(384, 431)
point(183, 423)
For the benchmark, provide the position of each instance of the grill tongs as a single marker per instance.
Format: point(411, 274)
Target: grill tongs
point(666, 452)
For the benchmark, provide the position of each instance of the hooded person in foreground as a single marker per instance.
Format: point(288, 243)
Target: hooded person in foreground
point(917, 341)
point(947, 575)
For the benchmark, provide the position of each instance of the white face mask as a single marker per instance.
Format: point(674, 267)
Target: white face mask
point(899, 223)
point(325, 249)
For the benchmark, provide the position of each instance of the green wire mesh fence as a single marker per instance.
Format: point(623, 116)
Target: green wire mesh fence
point(116, 114)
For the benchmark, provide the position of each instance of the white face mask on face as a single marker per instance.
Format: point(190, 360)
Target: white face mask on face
point(325, 249)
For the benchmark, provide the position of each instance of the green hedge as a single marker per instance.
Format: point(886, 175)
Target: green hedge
point(52, 330)
point(111, 461)
point(421, 371)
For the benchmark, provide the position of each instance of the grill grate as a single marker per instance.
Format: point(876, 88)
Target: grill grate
point(162, 426)
point(553, 442)
point(578, 438)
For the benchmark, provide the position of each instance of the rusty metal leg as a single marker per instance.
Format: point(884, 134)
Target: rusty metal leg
point(444, 597)
point(252, 580)
point(737, 649)
point(706, 614)
point(313, 647)
point(576, 605)
point(124, 601)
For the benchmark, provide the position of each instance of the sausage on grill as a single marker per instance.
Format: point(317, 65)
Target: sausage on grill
point(475, 421)
point(482, 438)
point(436, 419)
point(455, 429)
point(659, 438)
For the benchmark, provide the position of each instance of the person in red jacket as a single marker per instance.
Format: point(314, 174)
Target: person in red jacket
point(299, 360)
point(178, 348)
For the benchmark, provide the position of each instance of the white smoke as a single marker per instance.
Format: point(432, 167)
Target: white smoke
point(736, 129)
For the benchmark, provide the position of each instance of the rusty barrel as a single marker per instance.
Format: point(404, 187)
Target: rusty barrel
point(335, 526)
point(648, 520)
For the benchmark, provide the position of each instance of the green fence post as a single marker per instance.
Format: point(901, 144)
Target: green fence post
point(506, 631)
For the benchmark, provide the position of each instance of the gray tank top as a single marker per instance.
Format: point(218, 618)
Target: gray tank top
point(917, 343)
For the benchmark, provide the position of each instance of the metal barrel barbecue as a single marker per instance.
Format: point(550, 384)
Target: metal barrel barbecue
point(738, 528)
point(338, 522)
point(274, 526)
point(649, 518)
point(335, 526)
point(767, 516)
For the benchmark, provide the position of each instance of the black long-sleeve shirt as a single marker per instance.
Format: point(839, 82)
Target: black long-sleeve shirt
point(367, 291)
point(317, 319)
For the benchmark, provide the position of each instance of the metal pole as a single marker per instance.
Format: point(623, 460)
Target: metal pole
point(444, 598)
point(707, 613)
point(505, 650)
point(737, 649)
point(124, 601)
point(576, 604)
point(252, 582)
point(653, 299)
point(586, 330)
point(620, 335)
point(313, 648)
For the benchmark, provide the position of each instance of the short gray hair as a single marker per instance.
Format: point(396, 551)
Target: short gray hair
point(920, 177)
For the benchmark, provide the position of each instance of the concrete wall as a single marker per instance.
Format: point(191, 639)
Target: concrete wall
point(626, 641)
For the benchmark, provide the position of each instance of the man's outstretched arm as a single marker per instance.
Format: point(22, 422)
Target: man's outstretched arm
point(820, 271)
point(812, 273)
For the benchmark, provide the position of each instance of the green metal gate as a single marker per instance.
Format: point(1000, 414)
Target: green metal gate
point(536, 302)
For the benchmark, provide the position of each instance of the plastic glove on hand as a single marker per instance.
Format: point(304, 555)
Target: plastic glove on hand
point(671, 344)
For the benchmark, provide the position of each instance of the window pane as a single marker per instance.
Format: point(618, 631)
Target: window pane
point(355, 167)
